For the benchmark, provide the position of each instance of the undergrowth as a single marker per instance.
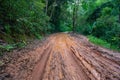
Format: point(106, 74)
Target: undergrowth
point(10, 47)
point(102, 43)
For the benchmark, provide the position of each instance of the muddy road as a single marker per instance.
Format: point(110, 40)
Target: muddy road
point(62, 56)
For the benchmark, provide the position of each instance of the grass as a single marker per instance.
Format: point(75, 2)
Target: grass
point(102, 43)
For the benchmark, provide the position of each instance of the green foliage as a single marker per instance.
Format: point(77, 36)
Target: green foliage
point(87, 29)
point(107, 27)
point(65, 27)
point(9, 47)
point(106, 11)
point(100, 18)
point(5, 48)
point(23, 17)
point(21, 20)
point(99, 41)
point(102, 43)
point(103, 24)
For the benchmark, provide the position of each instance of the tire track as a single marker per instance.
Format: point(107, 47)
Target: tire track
point(71, 59)
point(65, 57)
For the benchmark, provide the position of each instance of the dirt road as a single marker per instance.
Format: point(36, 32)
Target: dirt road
point(63, 56)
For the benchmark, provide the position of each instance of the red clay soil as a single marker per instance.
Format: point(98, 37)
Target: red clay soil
point(62, 56)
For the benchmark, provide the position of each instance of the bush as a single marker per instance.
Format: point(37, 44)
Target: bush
point(103, 43)
point(99, 41)
point(107, 27)
point(64, 27)
point(28, 19)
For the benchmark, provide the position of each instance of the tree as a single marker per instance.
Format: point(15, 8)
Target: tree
point(28, 19)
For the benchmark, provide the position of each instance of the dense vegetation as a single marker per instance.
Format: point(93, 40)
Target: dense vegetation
point(21, 20)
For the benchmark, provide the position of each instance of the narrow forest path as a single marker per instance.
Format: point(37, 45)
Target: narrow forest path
point(64, 56)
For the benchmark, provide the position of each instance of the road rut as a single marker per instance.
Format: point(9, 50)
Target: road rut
point(67, 57)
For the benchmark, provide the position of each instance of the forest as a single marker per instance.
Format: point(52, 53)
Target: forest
point(23, 20)
point(59, 39)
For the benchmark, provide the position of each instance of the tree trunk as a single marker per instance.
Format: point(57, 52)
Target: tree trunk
point(74, 19)
point(75, 10)
point(119, 13)
point(46, 7)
